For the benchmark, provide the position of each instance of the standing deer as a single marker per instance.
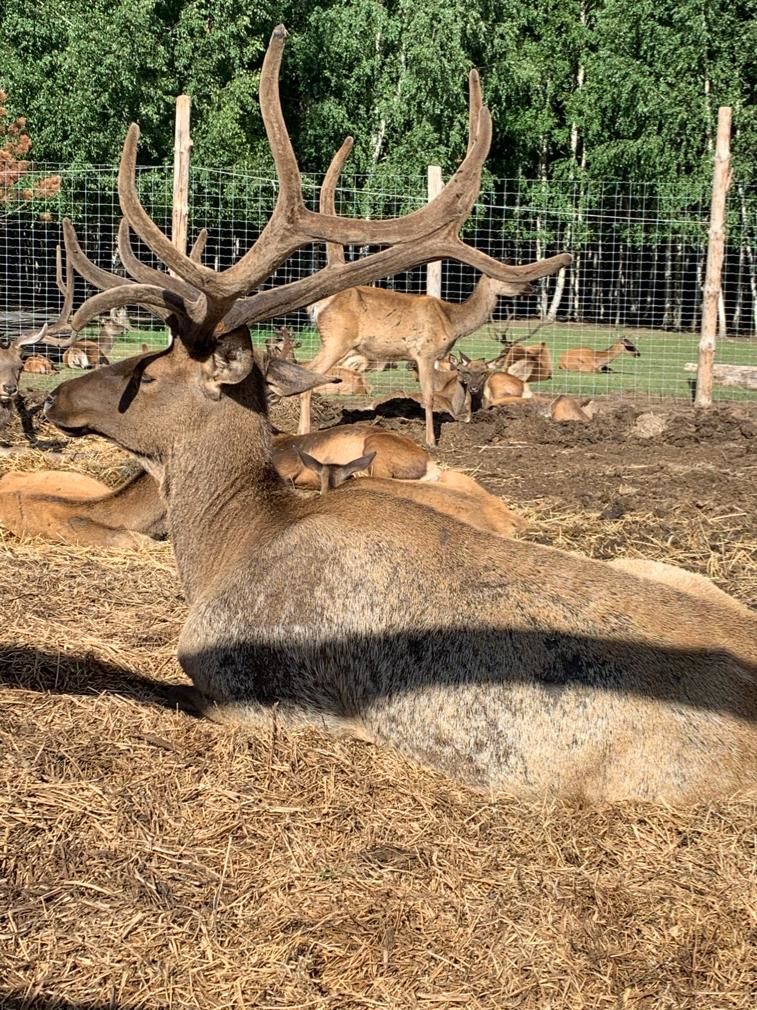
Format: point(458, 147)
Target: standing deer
point(393, 326)
point(513, 666)
point(584, 359)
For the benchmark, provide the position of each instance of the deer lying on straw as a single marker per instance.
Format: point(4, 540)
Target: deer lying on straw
point(454, 495)
point(510, 665)
point(73, 508)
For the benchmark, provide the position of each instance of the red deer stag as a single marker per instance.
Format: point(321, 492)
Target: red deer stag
point(584, 359)
point(511, 665)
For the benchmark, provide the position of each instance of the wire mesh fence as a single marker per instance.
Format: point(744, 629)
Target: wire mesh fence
point(639, 259)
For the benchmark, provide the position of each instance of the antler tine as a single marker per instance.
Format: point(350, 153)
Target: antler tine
point(190, 271)
point(120, 290)
point(161, 303)
point(145, 274)
point(327, 201)
point(195, 253)
point(290, 184)
point(475, 104)
point(66, 288)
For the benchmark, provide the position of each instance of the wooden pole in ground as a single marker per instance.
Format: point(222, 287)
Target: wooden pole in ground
point(181, 151)
point(434, 270)
point(721, 180)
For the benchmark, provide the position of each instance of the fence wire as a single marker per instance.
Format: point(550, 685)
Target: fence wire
point(639, 260)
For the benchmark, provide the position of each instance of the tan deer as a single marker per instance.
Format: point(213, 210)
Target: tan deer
point(392, 454)
point(392, 326)
point(584, 359)
point(37, 364)
point(73, 508)
point(537, 356)
point(487, 388)
point(510, 665)
point(455, 495)
point(283, 345)
point(450, 394)
point(679, 578)
point(350, 383)
point(84, 354)
point(39, 343)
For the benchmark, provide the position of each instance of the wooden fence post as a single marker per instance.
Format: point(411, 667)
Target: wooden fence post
point(181, 151)
point(434, 270)
point(721, 180)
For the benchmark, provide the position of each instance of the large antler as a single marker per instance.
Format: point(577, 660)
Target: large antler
point(206, 297)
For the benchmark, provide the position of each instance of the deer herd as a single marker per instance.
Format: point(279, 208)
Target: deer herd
point(399, 607)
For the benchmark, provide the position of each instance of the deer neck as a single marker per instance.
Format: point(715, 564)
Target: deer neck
point(468, 316)
point(612, 352)
point(221, 491)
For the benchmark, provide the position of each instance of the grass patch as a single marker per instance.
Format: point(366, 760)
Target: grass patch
point(657, 373)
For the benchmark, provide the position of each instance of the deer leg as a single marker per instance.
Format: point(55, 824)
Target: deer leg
point(426, 380)
point(324, 359)
point(252, 715)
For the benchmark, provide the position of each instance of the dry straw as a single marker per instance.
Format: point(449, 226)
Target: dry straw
point(150, 860)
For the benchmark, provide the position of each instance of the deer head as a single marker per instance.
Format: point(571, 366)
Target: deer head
point(11, 361)
point(209, 377)
point(630, 347)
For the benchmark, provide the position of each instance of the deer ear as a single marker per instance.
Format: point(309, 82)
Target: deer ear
point(354, 466)
point(287, 379)
point(309, 461)
point(464, 359)
point(229, 363)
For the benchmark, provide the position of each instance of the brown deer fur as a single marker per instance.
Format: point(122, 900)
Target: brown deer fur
point(462, 499)
point(510, 665)
point(584, 359)
point(351, 383)
point(489, 388)
point(37, 364)
point(537, 355)
point(679, 578)
point(84, 354)
point(393, 454)
point(72, 508)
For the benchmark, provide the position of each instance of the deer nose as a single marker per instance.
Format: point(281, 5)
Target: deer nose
point(49, 402)
point(10, 389)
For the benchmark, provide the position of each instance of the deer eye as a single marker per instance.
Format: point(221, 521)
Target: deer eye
point(144, 379)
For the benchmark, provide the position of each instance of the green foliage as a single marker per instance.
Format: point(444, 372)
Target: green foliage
point(579, 89)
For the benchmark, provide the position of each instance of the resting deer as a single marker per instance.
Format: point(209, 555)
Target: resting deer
point(14, 351)
point(392, 326)
point(679, 578)
point(451, 396)
point(489, 388)
point(538, 357)
point(510, 665)
point(584, 359)
point(455, 494)
point(37, 364)
point(73, 508)
point(84, 354)
point(392, 454)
